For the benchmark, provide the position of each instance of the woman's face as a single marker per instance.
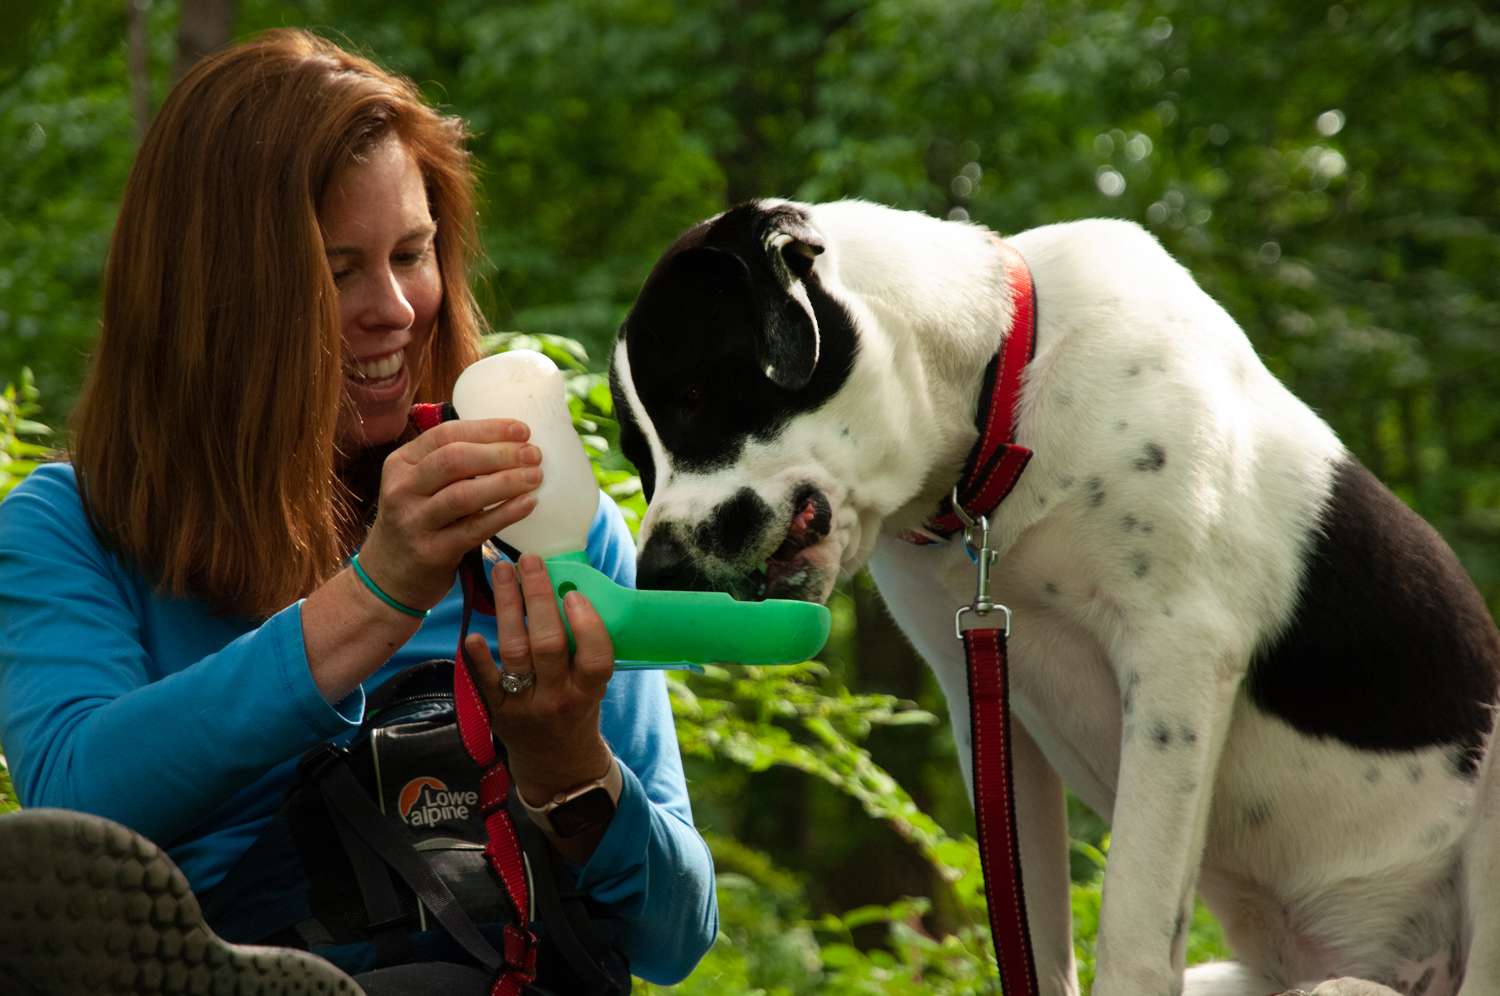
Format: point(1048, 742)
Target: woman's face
point(379, 237)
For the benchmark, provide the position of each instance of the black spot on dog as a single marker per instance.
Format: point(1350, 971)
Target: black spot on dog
point(1140, 564)
point(1095, 488)
point(1422, 984)
point(1129, 523)
point(1464, 761)
point(1133, 370)
point(1147, 528)
point(1188, 734)
point(1121, 425)
point(1372, 775)
point(1391, 647)
point(1166, 610)
point(1161, 735)
point(845, 431)
point(1414, 772)
point(732, 524)
point(1050, 588)
point(1152, 459)
point(1258, 814)
point(1066, 481)
point(665, 564)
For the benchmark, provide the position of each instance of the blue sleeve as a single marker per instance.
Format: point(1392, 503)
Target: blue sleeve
point(652, 868)
point(91, 719)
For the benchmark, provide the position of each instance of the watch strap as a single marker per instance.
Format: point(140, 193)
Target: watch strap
point(612, 782)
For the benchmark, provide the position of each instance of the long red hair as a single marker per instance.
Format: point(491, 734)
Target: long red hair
point(204, 438)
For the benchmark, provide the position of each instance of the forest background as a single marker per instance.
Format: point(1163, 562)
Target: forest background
point(1329, 172)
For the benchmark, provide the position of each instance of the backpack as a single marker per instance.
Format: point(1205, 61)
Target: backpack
point(377, 857)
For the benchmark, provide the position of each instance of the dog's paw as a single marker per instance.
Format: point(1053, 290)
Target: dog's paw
point(1346, 987)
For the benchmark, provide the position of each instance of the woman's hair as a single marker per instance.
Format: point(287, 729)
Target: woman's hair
point(205, 436)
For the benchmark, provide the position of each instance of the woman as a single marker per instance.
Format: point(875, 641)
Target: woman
point(180, 616)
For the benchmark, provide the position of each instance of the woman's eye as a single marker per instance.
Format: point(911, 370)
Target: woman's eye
point(411, 258)
point(339, 276)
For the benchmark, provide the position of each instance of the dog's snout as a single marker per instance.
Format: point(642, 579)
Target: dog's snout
point(736, 527)
point(665, 564)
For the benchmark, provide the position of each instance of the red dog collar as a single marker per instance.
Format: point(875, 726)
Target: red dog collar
point(996, 461)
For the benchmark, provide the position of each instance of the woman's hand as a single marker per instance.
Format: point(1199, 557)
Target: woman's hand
point(550, 730)
point(436, 494)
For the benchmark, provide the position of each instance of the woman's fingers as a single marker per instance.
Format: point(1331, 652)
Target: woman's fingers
point(484, 671)
point(465, 460)
point(481, 430)
point(510, 620)
point(549, 641)
point(594, 656)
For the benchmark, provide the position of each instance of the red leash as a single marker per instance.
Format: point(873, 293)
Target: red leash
point(502, 847)
point(990, 473)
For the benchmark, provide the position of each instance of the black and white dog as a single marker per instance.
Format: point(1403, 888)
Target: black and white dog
point(1230, 639)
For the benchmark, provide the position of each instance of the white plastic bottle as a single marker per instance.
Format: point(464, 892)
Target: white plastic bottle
point(525, 385)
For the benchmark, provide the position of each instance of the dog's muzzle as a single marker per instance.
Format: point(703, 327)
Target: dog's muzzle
point(787, 556)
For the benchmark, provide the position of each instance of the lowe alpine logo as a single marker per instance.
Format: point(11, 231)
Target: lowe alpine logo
point(425, 801)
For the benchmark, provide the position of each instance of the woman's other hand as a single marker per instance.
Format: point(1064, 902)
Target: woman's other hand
point(550, 730)
point(443, 494)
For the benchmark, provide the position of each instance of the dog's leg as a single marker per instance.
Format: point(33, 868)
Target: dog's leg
point(1042, 817)
point(1226, 978)
point(1348, 987)
point(1041, 811)
point(1177, 691)
point(1481, 872)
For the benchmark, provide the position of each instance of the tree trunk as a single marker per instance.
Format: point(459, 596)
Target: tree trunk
point(137, 65)
point(205, 26)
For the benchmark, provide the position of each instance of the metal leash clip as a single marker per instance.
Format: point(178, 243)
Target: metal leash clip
point(984, 557)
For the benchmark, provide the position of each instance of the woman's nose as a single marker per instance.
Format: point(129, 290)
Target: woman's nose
point(389, 307)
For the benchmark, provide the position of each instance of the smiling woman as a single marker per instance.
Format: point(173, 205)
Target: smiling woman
point(380, 237)
point(253, 534)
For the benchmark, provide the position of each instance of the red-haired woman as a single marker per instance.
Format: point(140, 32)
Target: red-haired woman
point(249, 537)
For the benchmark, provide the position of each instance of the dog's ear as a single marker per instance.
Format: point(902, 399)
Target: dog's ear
point(789, 342)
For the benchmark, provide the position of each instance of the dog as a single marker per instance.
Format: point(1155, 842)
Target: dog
point(1271, 676)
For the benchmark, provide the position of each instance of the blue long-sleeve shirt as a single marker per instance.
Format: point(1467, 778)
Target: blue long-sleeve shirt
point(186, 725)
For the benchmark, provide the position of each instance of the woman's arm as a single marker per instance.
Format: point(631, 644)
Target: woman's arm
point(91, 720)
point(157, 738)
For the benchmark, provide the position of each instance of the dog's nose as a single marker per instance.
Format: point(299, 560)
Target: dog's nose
point(665, 564)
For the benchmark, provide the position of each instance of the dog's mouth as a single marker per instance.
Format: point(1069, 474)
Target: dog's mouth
point(795, 569)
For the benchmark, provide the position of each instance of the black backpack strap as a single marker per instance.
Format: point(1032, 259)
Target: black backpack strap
point(348, 802)
point(387, 916)
point(559, 922)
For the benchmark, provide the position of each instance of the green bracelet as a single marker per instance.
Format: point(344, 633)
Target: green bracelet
point(375, 590)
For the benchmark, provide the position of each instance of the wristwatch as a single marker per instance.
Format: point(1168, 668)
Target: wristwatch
point(581, 808)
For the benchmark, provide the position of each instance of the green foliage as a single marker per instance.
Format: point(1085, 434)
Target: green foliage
point(19, 451)
point(1326, 171)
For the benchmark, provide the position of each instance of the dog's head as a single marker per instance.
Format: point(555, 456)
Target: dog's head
point(725, 375)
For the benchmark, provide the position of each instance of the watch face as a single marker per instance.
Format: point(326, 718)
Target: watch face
point(591, 809)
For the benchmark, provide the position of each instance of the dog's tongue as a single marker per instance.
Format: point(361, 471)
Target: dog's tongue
point(797, 533)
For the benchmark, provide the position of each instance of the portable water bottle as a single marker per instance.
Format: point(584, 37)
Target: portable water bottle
point(650, 629)
point(526, 386)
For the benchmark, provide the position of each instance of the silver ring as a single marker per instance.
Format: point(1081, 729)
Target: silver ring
point(514, 682)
